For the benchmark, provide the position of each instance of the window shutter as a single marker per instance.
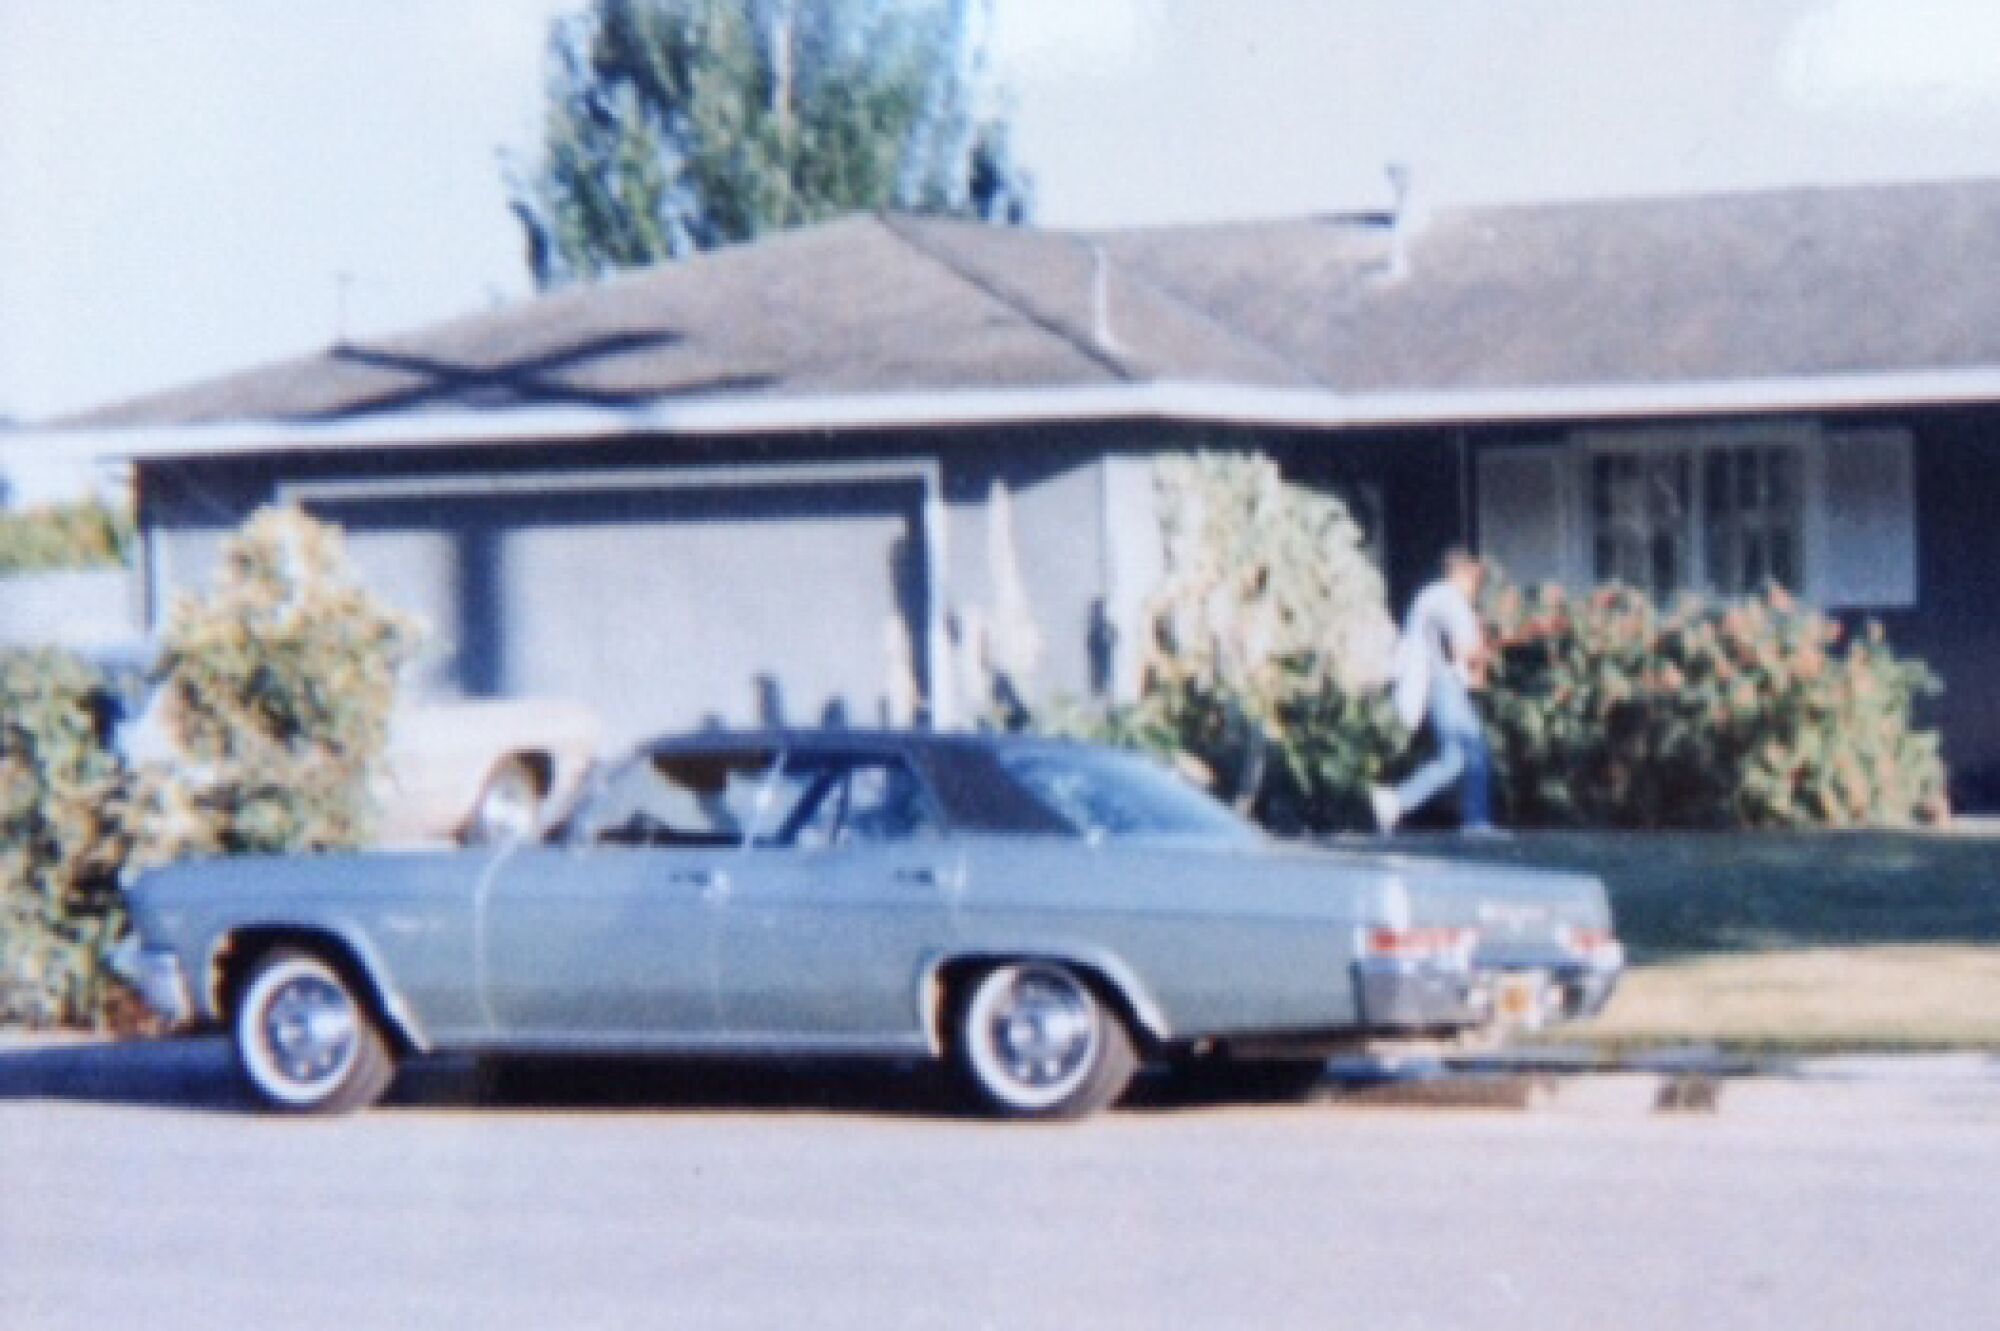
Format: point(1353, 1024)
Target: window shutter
point(1525, 520)
point(1869, 554)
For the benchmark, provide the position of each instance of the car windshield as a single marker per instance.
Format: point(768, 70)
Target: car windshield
point(1121, 795)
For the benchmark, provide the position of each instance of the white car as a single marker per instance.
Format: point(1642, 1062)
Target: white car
point(460, 773)
point(474, 772)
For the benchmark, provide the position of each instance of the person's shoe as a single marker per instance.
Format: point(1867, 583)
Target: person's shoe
point(1382, 800)
point(1485, 832)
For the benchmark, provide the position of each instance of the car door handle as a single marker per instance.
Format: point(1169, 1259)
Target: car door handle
point(710, 881)
point(928, 875)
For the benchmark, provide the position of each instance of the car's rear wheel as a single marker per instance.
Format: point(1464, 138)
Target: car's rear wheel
point(509, 804)
point(305, 1041)
point(1036, 1042)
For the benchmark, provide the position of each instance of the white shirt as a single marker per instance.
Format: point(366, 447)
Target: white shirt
point(1441, 633)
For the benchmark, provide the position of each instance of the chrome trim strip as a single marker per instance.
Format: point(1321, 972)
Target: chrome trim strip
point(650, 1042)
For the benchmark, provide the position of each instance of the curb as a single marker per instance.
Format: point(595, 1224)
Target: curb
point(1527, 1085)
point(1693, 1080)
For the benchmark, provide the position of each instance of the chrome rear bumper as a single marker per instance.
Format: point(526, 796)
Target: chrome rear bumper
point(1399, 995)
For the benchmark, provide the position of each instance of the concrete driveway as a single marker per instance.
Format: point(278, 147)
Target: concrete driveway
point(137, 1190)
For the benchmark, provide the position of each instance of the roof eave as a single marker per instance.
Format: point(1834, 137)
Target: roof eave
point(1162, 400)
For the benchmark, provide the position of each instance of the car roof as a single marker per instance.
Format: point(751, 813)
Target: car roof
point(850, 740)
point(974, 790)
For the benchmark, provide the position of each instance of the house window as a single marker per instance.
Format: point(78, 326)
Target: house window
point(1826, 511)
point(1641, 512)
point(1726, 518)
point(1751, 518)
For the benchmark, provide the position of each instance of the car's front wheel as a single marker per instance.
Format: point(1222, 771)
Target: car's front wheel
point(305, 1041)
point(1036, 1042)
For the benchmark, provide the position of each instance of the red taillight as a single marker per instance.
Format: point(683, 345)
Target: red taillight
point(1422, 944)
point(1598, 946)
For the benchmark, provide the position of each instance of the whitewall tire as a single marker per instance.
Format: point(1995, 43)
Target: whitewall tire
point(1036, 1042)
point(304, 1039)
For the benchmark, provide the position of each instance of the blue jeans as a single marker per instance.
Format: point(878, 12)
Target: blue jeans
point(1462, 755)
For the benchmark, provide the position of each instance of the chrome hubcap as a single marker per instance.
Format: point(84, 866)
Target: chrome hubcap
point(1043, 1032)
point(309, 1029)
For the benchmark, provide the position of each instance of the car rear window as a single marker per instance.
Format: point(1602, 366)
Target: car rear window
point(1110, 794)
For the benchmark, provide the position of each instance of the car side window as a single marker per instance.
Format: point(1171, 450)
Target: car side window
point(805, 796)
point(683, 800)
point(885, 802)
point(855, 801)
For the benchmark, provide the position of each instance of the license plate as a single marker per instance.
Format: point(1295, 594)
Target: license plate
point(1520, 998)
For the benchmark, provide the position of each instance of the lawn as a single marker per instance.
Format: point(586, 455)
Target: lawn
point(1800, 942)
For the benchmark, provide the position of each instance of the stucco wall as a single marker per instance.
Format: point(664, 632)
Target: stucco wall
point(1036, 504)
point(479, 542)
point(82, 608)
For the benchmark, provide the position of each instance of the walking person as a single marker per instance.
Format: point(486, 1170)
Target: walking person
point(1440, 660)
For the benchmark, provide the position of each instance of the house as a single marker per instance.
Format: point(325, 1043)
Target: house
point(801, 479)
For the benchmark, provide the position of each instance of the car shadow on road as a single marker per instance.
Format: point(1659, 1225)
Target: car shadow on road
point(583, 1085)
point(200, 1074)
point(908, 1089)
point(172, 1073)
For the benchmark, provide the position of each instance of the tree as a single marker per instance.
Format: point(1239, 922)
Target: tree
point(680, 125)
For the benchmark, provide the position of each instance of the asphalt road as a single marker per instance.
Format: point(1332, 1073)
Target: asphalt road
point(136, 1190)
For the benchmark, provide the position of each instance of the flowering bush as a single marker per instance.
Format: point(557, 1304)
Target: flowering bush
point(1611, 712)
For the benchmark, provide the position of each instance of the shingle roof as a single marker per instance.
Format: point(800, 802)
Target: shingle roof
point(1767, 285)
point(1773, 285)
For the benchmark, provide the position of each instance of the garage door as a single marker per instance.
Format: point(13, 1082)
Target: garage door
point(664, 609)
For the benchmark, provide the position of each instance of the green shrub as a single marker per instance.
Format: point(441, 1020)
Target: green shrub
point(1610, 712)
point(1306, 767)
point(1334, 745)
point(1269, 639)
point(89, 534)
point(61, 840)
point(276, 688)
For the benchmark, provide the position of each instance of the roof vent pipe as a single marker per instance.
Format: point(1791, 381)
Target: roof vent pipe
point(1408, 215)
point(1100, 301)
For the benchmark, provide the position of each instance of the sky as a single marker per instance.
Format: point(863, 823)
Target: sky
point(193, 186)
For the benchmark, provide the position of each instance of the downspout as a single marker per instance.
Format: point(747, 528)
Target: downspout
point(1465, 532)
point(940, 674)
point(149, 557)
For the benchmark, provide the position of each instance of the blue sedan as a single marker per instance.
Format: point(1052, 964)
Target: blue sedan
point(1046, 916)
